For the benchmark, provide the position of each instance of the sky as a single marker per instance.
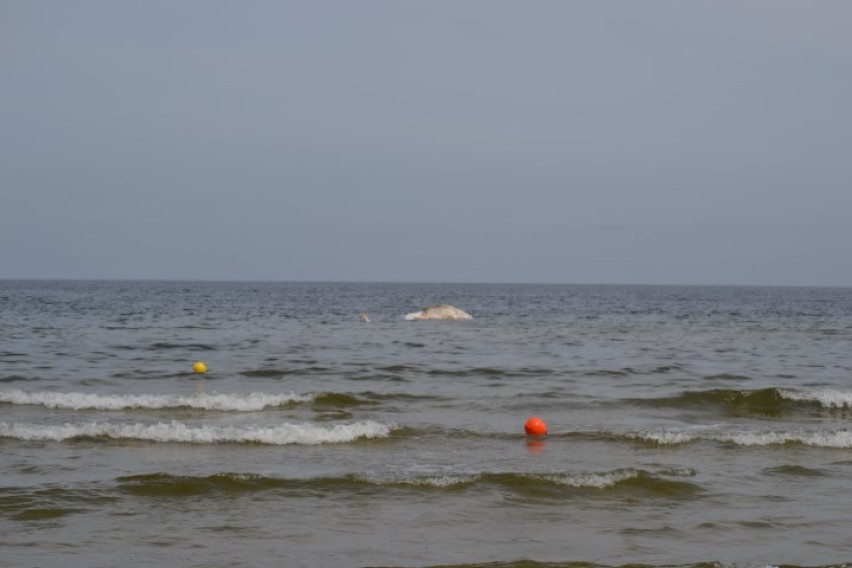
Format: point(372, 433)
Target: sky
point(596, 141)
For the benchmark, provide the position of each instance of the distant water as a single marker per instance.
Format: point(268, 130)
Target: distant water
point(689, 426)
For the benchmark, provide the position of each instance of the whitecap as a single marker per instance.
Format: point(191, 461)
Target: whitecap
point(822, 439)
point(588, 480)
point(830, 439)
point(178, 432)
point(238, 402)
point(439, 481)
point(664, 437)
point(827, 397)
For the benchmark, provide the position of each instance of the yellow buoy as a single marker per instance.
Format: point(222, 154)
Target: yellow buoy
point(199, 367)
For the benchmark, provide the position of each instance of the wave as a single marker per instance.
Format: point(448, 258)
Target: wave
point(274, 373)
point(467, 371)
point(191, 346)
point(828, 398)
point(794, 470)
point(165, 345)
point(837, 439)
point(203, 401)
point(178, 432)
point(41, 503)
point(521, 482)
point(831, 439)
point(628, 371)
point(15, 379)
point(634, 482)
point(766, 402)
point(231, 402)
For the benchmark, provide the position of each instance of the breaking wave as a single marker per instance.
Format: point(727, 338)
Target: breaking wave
point(204, 401)
point(767, 402)
point(178, 432)
point(839, 439)
point(230, 402)
point(828, 398)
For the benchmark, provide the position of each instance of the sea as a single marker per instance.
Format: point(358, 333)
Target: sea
point(687, 425)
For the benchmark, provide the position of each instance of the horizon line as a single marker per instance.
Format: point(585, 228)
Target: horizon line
point(436, 282)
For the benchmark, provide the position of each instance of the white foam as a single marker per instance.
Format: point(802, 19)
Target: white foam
point(283, 434)
point(827, 397)
point(822, 439)
point(678, 472)
point(593, 480)
point(834, 439)
point(665, 438)
point(578, 480)
point(205, 401)
point(440, 481)
point(448, 480)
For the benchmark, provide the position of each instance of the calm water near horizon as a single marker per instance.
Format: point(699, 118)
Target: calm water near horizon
point(688, 425)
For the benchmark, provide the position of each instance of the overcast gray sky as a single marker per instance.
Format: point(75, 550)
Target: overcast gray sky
point(694, 142)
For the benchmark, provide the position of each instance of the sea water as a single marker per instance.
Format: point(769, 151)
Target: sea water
point(687, 425)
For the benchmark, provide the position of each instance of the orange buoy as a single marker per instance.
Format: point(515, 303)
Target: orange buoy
point(535, 426)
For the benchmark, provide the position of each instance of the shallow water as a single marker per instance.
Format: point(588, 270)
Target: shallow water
point(687, 425)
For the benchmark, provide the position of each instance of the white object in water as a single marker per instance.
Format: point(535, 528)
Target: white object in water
point(439, 312)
